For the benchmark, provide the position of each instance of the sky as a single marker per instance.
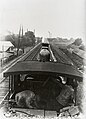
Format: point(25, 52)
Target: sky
point(59, 18)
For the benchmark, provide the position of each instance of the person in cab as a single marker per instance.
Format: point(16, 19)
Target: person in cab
point(66, 96)
point(27, 99)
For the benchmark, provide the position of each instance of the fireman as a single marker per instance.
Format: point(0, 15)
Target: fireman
point(66, 96)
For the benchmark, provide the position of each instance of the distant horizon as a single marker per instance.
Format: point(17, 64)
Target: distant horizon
point(2, 37)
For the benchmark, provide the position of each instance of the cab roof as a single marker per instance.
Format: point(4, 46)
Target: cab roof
point(36, 67)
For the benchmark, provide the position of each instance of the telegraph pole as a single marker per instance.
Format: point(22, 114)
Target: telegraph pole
point(22, 40)
point(18, 46)
point(34, 31)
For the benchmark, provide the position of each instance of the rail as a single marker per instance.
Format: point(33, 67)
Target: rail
point(3, 100)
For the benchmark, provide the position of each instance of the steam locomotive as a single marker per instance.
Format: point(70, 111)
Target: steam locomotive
point(44, 54)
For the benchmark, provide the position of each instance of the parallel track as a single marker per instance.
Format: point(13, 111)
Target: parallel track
point(66, 57)
point(60, 56)
point(77, 60)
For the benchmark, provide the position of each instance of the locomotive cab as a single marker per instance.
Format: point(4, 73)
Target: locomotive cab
point(42, 78)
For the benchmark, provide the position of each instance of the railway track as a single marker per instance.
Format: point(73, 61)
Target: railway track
point(32, 55)
point(22, 57)
point(4, 89)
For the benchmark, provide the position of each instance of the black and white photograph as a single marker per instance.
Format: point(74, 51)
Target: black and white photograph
point(42, 59)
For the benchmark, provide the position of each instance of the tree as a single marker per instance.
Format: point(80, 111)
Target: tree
point(78, 41)
point(20, 41)
point(30, 38)
point(15, 40)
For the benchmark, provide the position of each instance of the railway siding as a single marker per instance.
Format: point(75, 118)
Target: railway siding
point(78, 61)
point(61, 57)
point(64, 56)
